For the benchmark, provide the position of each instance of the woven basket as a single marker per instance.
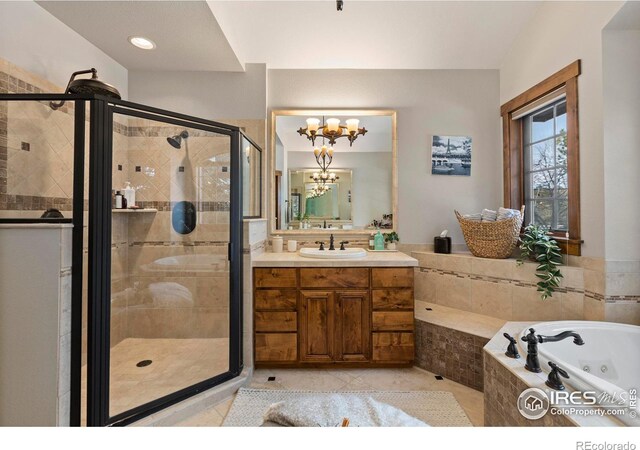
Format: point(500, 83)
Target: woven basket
point(491, 239)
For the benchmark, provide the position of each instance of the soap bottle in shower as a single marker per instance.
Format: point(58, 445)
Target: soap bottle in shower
point(129, 194)
point(118, 198)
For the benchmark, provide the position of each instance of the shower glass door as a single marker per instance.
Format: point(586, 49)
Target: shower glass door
point(174, 303)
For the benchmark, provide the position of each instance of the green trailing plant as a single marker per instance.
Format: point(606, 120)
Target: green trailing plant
point(391, 237)
point(536, 244)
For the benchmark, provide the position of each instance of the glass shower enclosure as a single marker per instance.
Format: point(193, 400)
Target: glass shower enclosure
point(157, 283)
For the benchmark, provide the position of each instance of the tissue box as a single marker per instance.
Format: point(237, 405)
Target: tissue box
point(442, 244)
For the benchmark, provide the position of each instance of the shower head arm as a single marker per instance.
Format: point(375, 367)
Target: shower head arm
point(94, 75)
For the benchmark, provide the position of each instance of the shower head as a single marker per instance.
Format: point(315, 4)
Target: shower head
point(176, 141)
point(87, 86)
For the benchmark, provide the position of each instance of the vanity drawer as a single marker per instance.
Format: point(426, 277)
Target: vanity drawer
point(392, 299)
point(334, 277)
point(276, 299)
point(274, 277)
point(392, 320)
point(393, 277)
point(276, 347)
point(393, 347)
point(276, 321)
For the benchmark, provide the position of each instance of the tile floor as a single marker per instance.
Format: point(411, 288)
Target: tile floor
point(403, 379)
point(176, 364)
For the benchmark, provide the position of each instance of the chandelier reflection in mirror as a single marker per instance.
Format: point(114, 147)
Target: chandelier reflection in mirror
point(332, 130)
point(318, 191)
point(324, 177)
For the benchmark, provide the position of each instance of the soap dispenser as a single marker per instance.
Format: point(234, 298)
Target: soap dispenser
point(378, 241)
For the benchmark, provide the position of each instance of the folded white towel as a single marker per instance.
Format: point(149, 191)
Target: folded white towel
point(505, 213)
point(475, 216)
point(489, 216)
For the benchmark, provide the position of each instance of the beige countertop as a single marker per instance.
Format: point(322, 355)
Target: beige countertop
point(286, 259)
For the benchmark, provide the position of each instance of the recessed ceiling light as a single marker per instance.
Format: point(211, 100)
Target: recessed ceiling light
point(142, 42)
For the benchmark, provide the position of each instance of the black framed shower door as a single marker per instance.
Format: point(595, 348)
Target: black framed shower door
point(96, 130)
point(103, 377)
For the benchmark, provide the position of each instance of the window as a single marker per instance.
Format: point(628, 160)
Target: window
point(545, 167)
point(541, 156)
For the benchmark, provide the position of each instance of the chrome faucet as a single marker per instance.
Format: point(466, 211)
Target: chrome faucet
point(331, 246)
point(532, 340)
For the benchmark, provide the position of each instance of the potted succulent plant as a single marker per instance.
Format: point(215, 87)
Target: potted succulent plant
point(537, 245)
point(391, 239)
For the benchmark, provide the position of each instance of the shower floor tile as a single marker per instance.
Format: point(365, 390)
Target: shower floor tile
point(176, 364)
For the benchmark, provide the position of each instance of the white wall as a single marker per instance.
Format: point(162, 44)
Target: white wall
point(454, 102)
point(36, 41)
point(370, 184)
point(210, 95)
point(558, 34)
point(622, 143)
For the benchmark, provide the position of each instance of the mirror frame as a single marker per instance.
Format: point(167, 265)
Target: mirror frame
point(330, 112)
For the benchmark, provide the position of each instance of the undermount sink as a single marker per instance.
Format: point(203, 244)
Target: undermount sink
point(347, 253)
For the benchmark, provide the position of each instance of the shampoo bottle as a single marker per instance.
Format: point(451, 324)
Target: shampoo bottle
point(129, 194)
point(379, 241)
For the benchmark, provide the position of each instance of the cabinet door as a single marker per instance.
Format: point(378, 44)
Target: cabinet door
point(316, 325)
point(353, 329)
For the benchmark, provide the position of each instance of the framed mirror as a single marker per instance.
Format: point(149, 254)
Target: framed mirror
point(347, 185)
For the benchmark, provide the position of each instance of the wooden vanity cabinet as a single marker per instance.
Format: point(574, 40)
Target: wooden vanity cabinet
point(327, 315)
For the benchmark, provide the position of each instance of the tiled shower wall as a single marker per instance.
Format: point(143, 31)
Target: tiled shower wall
point(164, 284)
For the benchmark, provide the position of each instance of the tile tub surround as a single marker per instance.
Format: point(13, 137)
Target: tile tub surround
point(505, 378)
point(449, 342)
point(501, 289)
point(287, 259)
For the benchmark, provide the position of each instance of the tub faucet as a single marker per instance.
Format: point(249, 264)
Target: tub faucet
point(331, 246)
point(577, 339)
point(532, 340)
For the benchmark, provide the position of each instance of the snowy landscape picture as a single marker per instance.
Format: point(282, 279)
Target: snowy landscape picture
point(451, 155)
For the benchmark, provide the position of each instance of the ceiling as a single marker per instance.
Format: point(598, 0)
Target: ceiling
point(377, 138)
point(186, 34)
point(373, 34)
point(224, 35)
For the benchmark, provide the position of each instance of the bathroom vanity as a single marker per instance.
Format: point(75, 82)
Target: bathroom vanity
point(356, 312)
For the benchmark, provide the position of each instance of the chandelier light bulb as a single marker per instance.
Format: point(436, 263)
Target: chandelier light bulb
point(316, 151)
point(333, 125)
point(330, 152)
point(352, 125)
point(312, 125)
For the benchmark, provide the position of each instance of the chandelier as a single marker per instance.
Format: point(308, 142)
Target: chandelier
point(332, 130)
point(318, 191)
point(324, 156)
point(324, 177)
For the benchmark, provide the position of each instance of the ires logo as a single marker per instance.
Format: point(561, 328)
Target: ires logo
point(564, 398)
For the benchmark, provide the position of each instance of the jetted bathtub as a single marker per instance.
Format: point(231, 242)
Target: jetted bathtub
point(608, 362)
point(189, 263)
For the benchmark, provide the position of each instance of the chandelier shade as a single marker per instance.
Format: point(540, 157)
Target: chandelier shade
point(332, 130)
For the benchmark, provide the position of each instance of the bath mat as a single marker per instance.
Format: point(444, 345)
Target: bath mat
point(438, 409)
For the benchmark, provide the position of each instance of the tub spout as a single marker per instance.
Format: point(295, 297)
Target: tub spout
point(577, 339)
point(532, 340)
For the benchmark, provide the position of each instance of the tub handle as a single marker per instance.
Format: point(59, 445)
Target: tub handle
point(554, 381)
point(512, 350)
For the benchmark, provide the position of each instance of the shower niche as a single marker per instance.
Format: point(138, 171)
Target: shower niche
point(156, 292)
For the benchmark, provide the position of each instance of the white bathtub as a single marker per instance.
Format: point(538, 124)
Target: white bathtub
point(189, 263)
point(608, 362)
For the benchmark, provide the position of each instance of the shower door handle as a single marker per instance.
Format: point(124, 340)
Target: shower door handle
point(230, 251)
